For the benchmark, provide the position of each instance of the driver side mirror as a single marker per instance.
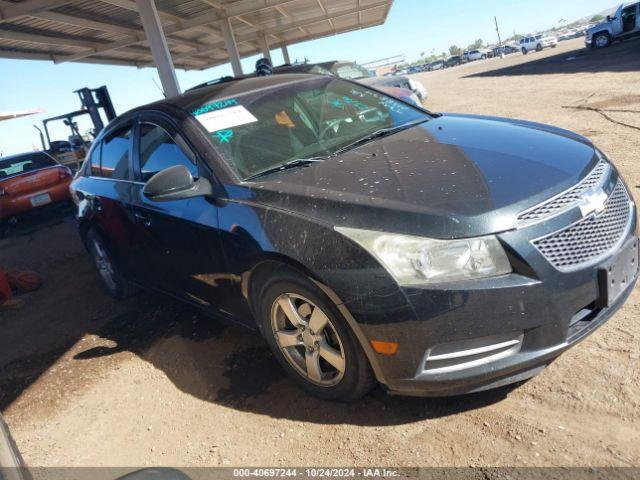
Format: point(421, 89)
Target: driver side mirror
point(176, 183)
point(609, 18)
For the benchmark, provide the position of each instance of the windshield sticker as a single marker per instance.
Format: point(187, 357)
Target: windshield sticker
point(224, 136)
point(230, 102)
point(226, 118)
point(282, 118)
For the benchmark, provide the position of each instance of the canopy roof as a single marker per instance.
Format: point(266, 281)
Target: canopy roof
point(111, 32)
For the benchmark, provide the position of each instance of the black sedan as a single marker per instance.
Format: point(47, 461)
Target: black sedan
point(368, 240)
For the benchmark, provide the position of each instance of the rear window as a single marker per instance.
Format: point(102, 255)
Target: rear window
point(12, 166)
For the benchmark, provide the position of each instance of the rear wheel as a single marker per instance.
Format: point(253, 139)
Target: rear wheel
point(524, 51)
point(112, 278)
point(312, 341)
point(538, 48)
point(602, 40)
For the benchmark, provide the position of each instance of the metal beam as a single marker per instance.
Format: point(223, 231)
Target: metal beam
point(264, 47)
point(285, 54)
point(47, 39)
point(196, 21)
point(232, 47)
point(285, 27)
point(312, 37)
point(113, 27)
point(28, 7)
point(159, 47)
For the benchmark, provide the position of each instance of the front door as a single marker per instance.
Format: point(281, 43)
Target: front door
point(629, 18)
point(178, 241)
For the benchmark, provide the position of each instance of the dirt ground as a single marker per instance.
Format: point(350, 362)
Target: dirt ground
point(89, 381)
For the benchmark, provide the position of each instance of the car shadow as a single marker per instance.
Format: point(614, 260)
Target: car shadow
point(619, 57)
point(233, 366)
point(69, 326)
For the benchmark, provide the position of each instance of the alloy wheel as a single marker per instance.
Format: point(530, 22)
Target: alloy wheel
point(103, 264)
point(602, 41)
point(308, 339)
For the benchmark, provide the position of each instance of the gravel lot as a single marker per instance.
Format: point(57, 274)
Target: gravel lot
point(87, 381)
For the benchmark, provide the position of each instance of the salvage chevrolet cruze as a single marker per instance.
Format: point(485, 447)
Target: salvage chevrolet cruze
point(366, 239)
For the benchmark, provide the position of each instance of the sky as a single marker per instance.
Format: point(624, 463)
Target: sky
point(413, 27)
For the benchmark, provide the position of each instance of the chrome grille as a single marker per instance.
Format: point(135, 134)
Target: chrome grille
point(591, 237)
point(566, 199)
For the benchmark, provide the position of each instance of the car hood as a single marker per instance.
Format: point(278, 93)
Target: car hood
point(453, 176)
point(598, 27)
point(382, 81)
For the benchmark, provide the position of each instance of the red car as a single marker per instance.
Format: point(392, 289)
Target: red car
point(29, 181)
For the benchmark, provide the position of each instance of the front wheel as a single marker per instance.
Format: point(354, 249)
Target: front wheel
point(524, 51)
point(539, 48)
point(312, 341)
point(602, 40)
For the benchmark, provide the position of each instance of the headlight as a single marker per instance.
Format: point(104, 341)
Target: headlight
point(417, 260)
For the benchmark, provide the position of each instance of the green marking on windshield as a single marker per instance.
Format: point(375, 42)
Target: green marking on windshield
point(230, 102)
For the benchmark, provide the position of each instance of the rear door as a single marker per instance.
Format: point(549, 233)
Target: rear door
point(108, 190)
point(178, 247)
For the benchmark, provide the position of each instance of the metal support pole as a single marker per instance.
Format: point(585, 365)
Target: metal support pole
point(285, 54)
point(499, 40)
point(159, 49)
point(232, 47)
point(264, 46)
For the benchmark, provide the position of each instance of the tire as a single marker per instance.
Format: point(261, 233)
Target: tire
point(349, 376)
point(112, 278)
point(524, 51)
point(601, 40)
point(538, 48)
point(484, 57)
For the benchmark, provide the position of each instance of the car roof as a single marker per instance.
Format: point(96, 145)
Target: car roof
point(228, 89)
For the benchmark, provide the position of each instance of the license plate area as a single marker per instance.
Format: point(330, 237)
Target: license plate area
point(39, 200)
point(615, 277)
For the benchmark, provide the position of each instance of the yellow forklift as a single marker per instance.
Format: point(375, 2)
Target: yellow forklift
point(72, 151)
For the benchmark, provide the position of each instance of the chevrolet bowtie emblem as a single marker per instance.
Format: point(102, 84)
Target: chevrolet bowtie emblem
point(593, 201)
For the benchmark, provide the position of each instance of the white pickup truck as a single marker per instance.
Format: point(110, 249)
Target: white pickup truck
point(623, 24)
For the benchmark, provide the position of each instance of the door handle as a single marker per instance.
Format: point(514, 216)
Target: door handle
point(142, 218)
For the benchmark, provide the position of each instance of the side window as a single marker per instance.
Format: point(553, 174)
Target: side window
point(115, 155)
point(160, 150)
point(94, 160)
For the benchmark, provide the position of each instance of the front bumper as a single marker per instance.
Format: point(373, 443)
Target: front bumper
point(532, 315)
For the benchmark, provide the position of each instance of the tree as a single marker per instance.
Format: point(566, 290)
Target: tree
point(596, 19)
point(455, 50)
point(476, 45)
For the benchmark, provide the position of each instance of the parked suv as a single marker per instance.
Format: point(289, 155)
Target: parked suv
point(624, 24)
point(453, 61)
point(537, 43)
point(477, 55)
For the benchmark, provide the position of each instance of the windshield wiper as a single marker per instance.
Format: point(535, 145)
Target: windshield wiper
point(298, 162)
point(383, 132)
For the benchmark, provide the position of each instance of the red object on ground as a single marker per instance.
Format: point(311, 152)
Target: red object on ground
point(24, 281)
point(5, 289)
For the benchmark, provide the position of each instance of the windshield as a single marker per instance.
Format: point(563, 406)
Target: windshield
point(315, 118)
point(17, 165)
